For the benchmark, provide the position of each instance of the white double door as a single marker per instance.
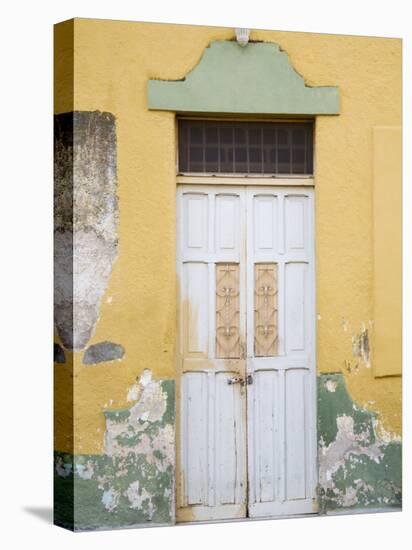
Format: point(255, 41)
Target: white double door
point(246, 359)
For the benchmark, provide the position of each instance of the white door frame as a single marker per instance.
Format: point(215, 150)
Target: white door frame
point(256, 509)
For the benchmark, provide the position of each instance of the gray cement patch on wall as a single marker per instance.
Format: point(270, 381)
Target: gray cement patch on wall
point(103, 351)
point(85, 220)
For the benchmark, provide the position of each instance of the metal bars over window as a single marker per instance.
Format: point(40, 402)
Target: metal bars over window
point(256, 148)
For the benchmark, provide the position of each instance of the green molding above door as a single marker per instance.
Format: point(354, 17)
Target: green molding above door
point(256, 79)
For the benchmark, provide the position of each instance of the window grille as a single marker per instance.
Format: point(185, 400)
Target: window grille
point(223, 147)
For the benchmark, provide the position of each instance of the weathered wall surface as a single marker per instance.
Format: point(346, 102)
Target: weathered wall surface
point(132, 482)
point(132, 324)
point(85, 220)
point(358, 467)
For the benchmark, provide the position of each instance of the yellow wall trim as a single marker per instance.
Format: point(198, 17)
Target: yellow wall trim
point(387, 250)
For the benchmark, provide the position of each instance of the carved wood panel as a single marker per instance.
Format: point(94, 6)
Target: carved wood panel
point(266, 310)
point(227, 311)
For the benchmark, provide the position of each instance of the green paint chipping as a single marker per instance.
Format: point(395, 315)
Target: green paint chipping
point(336, 402)
point(63, 490)
point(133, 482)
point(375, 483)
point(117, 416)
point(168, 387)
point(356, 468)
point(117, 494)
point(256, 79)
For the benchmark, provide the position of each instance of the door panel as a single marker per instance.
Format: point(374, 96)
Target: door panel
point(196, 310)
point(245, 261)
point(265, 214)
point(281, 432)
point(212, 432)
point(195, 224)
point(296, 308)
point(212, 419)
point(296, 457)
point(194, 430)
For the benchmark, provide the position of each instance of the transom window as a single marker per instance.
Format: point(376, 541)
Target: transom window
point(224, 147)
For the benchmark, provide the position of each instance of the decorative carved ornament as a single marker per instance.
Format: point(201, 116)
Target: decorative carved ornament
point(227, 311)
point(266, 310)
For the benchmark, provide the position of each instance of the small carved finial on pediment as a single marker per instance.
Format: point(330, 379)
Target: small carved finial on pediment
point(242, 36)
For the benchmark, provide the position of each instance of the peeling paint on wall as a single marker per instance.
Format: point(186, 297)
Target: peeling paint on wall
point(357, 467)
point(85, 220)
point(360, 346)
point(133, 482)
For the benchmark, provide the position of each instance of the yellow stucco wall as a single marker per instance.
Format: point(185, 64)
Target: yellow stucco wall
point(112, 62)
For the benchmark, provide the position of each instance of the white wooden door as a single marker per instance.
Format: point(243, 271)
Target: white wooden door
point(281, 351)
point(212, 327)
point(246, 352)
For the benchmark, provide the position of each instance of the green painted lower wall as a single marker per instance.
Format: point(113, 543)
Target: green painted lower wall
point(133, 483)
point(357, 469)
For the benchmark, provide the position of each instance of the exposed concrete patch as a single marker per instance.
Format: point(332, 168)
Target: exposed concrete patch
point(85, 471)
point(85, 220)
point(59, 355)
point(110, 499)
point(357, 467)
point(133, 482)
point(104, 351)
point(331, 385)
point(347, 442)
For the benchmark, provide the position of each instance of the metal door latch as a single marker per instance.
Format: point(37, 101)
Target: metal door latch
point(242, 381)
point(249, 380)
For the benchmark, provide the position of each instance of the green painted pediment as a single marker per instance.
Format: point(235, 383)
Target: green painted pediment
point(256, 79)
